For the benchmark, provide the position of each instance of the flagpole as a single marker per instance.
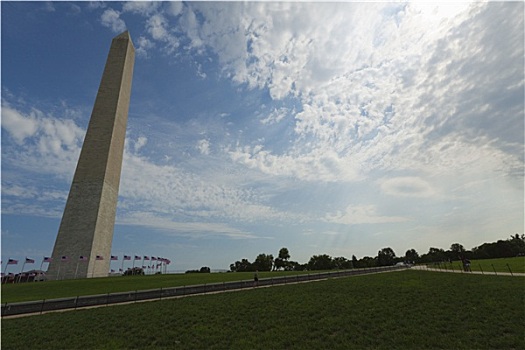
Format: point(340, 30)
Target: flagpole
point(5, 270)
point(6, 265)
point(122, 267)
point(76, 269)
point(93, 271)
point(20, 275)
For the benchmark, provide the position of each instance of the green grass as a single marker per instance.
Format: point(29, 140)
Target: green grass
point(517, 265)
point(91, 286)
point(398, 310)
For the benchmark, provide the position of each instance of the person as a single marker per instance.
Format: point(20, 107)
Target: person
point(256, 278)
point(467, 265)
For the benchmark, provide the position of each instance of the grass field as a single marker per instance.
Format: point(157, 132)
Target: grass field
point(398, 310)
point(92, 286)
point(517, 265)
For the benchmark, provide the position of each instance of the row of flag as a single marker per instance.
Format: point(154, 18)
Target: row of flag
point(98, 257)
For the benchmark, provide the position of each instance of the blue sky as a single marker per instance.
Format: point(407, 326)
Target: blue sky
point(326, 128)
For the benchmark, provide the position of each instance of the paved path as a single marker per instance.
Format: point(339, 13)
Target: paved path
point(425, 268)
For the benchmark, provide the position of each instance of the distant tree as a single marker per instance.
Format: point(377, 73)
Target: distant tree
point(368, 261)
point(284, 254)
point(134, 271)
point(204, 269)
point(320, 262)
point(341, 263)
point(281, 261)
point(386, 257)
point(263, 262)
point(241, 266)
point(355, 262)
point(295, 266)
point(434, 255)
point(518, 244)
point(411, 255)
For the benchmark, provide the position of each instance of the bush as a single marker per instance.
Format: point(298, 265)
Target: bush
point(134, 271)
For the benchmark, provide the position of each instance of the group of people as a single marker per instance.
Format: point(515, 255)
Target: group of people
point(466, 264)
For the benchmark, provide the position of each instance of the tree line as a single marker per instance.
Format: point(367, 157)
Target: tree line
point(514, 246)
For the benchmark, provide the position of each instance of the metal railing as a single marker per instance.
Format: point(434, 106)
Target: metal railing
point(41, 306)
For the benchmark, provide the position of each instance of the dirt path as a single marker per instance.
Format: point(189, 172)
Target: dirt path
point(425, 268)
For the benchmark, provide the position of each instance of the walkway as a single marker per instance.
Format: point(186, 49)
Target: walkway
point(426, 268)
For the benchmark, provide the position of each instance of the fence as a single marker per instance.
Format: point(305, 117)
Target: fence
point(447, 266)
point(40, 306)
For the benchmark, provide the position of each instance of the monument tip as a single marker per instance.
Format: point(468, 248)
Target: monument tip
point(123, 35)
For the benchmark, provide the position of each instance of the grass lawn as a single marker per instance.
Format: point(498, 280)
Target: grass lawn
point(91, 286)
point(398, 310)
point(517, 265)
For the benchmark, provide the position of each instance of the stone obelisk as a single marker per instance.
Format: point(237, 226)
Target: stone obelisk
point(86, 229)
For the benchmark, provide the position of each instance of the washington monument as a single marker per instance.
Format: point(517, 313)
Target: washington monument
point(83, 244)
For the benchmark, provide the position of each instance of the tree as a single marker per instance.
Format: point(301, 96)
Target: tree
point(341, 263)
point(241, 266)
point(284, 254)
point(320, 262)
point(134, 271)
point(386, 257)
point(434, 255)
point(368, 261)
point(355, 263)
point(411, 255)
point(282, 260)
point(295, 266)
point(263, 262)
point(518, 244)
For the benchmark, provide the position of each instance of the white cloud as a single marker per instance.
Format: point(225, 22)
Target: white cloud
point(48, 6)
point(143, 45)
point(174, 8)
point(141, 7)
point(203, 146)
point(407, 187)
point(141, 142)
point(275, 116)
point(188, 229)
point(93, 5)
point(44, 143)
point(111, 18)
point(19, 126)
point(362, 214)
point(157, 27)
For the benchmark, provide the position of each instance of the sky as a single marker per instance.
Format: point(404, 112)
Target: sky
point(326, 128)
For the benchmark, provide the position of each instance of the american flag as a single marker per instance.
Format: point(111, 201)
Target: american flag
point(114, 257)
point(146, 257)
point(64, 258)
point(47, 259)
point(12, 262)
point(112, 270)
point(153, 258)
point(127, 257)
point(137, 257)
point(99, 257)
point(83, 258)
point(30, 261)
